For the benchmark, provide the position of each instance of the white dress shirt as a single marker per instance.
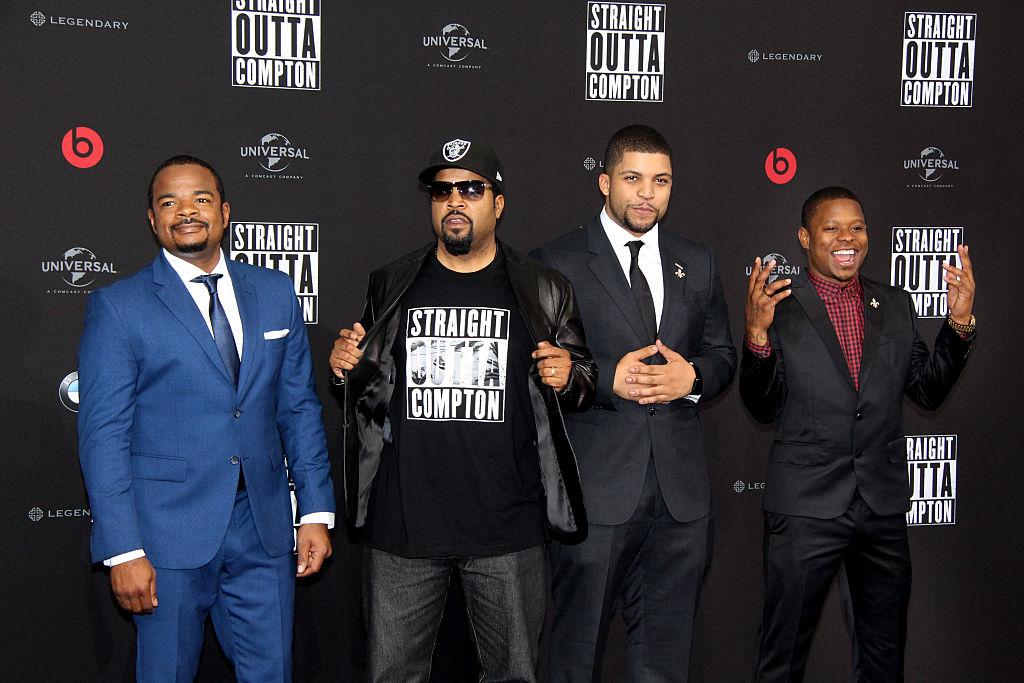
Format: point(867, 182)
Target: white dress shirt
point(649, 260)
point(201, 295)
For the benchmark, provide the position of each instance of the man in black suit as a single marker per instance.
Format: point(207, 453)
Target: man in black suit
point(828, 357)
point(658, 328)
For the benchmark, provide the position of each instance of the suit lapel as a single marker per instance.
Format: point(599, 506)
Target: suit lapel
point(606, 268)
point(673, 308)
point(249, 310)
point(172, 292)
point(874, 322)
point(814, 308)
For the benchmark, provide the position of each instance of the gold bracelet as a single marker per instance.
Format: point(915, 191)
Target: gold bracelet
point(961, 328)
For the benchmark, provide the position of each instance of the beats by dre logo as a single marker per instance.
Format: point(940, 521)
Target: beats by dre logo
point(780, 165)
point(82, 147)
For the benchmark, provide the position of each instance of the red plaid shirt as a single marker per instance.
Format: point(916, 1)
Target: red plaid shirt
point(845, 307)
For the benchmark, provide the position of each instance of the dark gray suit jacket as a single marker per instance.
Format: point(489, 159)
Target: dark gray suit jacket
point(831, 439)
point(615, 438)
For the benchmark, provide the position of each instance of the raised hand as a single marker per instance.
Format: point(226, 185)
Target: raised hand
point(762, 298)
point(960, 283)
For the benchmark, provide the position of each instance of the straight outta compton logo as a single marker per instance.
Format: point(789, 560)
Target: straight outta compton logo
point(625, 52)
point(931, 467)
point(292, 248)
point(938, 59)
point(917, 257)
point(275, 44)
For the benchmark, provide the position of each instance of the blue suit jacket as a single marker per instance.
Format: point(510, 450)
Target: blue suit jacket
point(162, 427)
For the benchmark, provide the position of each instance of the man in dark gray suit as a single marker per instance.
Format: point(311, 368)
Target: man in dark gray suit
point(658, 328)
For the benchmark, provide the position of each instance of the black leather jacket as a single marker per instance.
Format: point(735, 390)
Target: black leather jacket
point(548, 306)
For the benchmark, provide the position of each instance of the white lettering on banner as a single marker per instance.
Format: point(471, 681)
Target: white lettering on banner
point(938, 59)
point(292, 248)
point(918, 254)
point(931, 470)
point(275, 44)
point(625, 51)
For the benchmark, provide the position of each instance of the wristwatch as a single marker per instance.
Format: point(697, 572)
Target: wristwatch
point(698, 381)
point(961, 328)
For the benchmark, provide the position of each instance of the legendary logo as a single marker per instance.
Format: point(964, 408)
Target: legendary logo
point(918, 254)
point(755, 56)
point(68, 391)
point(625, 52)
point(292, 248)
point(931, 165)
point(780, 165)
point(938, 59)
point(82, 147)
point(739, 486)
point(39, 19)
point(36, 513)
point(456, 149)
point(782, 267)
point(590, 163)
point(931, 468)
point(78, 268)
point(275, 44)
point(275, 153)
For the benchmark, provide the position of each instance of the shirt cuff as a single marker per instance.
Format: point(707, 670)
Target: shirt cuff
point(759, 350)
point(124, 557)
point(693, 398)
point(318, 518)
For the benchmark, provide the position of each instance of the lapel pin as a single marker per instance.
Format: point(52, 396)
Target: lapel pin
point(874, 302)
point(679, 271)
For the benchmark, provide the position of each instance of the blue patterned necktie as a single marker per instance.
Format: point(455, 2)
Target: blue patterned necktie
point(221, 329)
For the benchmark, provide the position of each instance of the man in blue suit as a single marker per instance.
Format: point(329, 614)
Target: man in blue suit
point(196, 380)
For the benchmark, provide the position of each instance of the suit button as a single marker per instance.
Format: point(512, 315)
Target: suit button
point(858, 454)
point(234, 459)
point(238, 413)
point(652, 411)
point(859, 415)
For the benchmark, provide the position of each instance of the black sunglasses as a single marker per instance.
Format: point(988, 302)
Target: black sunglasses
point(468, 189)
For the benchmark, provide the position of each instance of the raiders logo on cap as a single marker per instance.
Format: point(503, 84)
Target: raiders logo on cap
point(456, 149)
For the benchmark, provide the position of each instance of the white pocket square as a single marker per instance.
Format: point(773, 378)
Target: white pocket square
point(274, 334)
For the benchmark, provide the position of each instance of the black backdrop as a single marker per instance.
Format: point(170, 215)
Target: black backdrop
point(391, 80)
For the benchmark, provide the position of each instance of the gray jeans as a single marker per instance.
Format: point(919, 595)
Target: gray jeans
point(403, 600)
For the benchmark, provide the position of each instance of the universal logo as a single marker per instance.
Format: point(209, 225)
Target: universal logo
point(275, 154)
point(39, 19)
point(931, 165)
point(755, 56)
point(275, 44)
point(739, 486)
point(37, 513)
point(78, 268)
point(455, 44)
point(68, 391)
point(782, 267)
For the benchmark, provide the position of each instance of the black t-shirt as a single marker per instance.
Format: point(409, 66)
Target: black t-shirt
point(460, 474)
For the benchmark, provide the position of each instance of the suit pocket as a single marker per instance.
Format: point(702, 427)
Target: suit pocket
point(798, 453)
point(159, 467)
point(897, 450)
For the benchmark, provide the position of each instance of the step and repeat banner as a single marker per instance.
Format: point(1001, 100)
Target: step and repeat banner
point(319, 115)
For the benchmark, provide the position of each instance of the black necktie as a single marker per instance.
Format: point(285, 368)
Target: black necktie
point(642, 292)
point(221, 329)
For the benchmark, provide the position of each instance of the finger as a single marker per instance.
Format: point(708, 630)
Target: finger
point(669, 354)
point(642, 352)
point(778, 285)
point(134, 604)
point(754, 272)
point(550, 352)
point(152, 591)
point(316, 559)
point(359, 330)
point(965, 258)
point(302, 553)
point(776, 297)
point(762, 277)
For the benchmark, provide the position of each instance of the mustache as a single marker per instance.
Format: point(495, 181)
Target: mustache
point(456, 212)
point(189, 221)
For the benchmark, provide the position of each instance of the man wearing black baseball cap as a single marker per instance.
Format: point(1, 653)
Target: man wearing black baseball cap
point(455, 454)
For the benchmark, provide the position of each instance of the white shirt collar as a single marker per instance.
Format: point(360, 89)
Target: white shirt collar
point(618, 235)
point(186, 270)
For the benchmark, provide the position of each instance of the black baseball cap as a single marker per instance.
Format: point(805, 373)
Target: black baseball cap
point(471, 156)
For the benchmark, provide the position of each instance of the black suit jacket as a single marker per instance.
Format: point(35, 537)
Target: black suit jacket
point(830, 439)
point(615, 438)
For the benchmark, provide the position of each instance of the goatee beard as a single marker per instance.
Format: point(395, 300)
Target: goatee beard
point(457, 246)
point(192, 247)
point(640, 229)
